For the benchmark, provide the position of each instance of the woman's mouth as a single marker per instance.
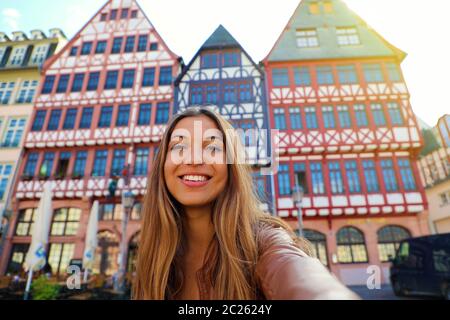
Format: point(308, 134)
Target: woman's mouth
point(192, 180)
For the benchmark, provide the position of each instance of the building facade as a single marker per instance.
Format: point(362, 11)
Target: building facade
point(99, 115)
point(348, 134)
point(224, 77)
point(21, 58)
point(434, 164)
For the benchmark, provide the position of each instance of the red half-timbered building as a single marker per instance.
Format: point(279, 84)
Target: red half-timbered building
point(103, 104)
point(348, 134)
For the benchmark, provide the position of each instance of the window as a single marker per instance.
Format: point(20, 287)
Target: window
point(73, 51)
point(124, 13)
point(129, 44)
point(370, 176)
point(27, 91)
point(128, 79)
point(145, 113)
point(5, 173)
point(63, 83)
point(47, 165)
point(351, 169)
point(14, 133)
point(118, 163)
point(86, 49)
point(445, 198)
point(59, 257)
point(196, 94)
point(111, 80)
point(141, 162)
point(347, 74)
point(154, 46)
point(336, 182)
point(361, 115)
point(314, 8)
point(65, 222)
point(302, 76)
point(311, 118)
point(80, 164)
point(86, 118)
point(107, 253)
point(148, 79)
point(103, 17)
point(259, 183)
point(324, 75)
point(229, 95)
point(63, 164)
point(142, 43)
point(245, 92)
point(328, 117)
point(372, 72)
point(5, 92)
point(105, 117)
point(55, 117)
point(318, 184)
point(123, 116)
point(300, 176)
point(18, 255)
point(209, 60)
point(351, 246)
point(284, 180)
point(344, 117)
point(307, 38)
point(25, 222)
point(328, 7)
point(390, 181)
point(94, 78)
point(212, 92)
point(318, 245)
point(395, 114)
point(71, 116)
point(407, 174)
point(389, 239)
point(134, 14)
point(280, 118)
point(113, 14)
point(101, 47)
point(162, 113)
point(296, 118)
point(49, 83)
point(165, 76)
point(78, 81)
point(117, 45)
point(39, 120)
point(280, 77)
point(393, 72)
point(30, 167)
point(110, 212)
point(347, 36)
point(231, 59)
point(378, 114)
point(101, 158)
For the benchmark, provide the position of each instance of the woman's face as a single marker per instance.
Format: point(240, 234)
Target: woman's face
point(195, 170)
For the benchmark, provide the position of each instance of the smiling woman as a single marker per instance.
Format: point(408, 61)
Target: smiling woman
point(203, 234)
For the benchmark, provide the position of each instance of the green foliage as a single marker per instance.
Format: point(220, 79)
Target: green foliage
point(43, 289)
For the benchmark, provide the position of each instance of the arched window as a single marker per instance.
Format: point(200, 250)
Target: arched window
point(106, 257)
point(351, 246)
point(65, 222)
point(319, 245)
point(136, 213)
point(389, 238)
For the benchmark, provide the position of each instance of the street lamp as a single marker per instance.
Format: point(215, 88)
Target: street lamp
point(127, 205)
point(297, 195)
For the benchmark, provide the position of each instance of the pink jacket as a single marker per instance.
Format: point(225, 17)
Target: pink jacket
point(285, 272)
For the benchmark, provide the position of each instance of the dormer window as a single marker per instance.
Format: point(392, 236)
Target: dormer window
point(347, 36)
point(307, 38)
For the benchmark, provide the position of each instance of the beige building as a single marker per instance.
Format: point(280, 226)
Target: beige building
point(434, 165)
point(21, 59)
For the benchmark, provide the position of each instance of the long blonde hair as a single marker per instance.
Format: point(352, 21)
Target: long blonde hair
point(236, 216)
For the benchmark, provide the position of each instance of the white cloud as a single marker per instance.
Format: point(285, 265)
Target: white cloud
point(11, 18)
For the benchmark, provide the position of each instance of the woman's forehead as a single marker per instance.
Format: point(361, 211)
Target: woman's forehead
point(196, 127)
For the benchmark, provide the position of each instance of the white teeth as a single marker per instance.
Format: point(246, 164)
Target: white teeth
point(195, 178)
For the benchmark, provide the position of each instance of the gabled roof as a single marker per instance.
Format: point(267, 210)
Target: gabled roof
point(372, 44)
point(219, 39)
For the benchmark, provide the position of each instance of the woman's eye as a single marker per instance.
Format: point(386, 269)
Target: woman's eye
point(214, 148)
point(178, 147)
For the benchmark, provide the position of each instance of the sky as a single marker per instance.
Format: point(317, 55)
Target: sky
point(420, 28)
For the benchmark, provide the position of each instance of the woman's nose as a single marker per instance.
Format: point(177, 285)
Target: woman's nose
point(195, 155)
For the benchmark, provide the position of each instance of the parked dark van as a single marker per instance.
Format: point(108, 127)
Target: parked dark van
point(422, 267)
